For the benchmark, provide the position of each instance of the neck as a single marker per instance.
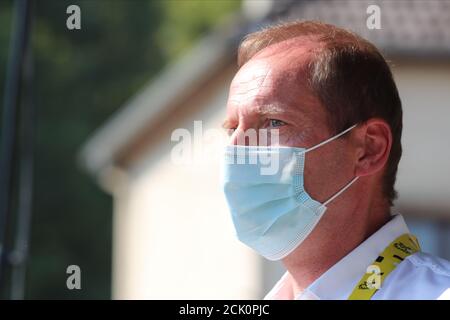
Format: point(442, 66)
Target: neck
point(331, 240)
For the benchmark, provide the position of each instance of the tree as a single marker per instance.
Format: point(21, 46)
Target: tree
point(81, 78)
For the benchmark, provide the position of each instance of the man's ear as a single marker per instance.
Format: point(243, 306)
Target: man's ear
point(374, 141)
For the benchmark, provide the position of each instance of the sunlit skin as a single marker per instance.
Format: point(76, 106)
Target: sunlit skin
point(270, 91)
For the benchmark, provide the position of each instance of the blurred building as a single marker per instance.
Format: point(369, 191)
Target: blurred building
point(172, 234)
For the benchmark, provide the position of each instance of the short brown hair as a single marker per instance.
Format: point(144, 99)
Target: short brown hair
point(348, 75)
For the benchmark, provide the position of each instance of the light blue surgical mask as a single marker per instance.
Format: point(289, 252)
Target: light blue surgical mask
point(264, 188)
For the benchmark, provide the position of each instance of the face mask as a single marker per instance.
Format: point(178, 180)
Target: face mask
point(270, 208)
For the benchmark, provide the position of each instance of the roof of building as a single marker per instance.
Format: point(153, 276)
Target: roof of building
point(408, 27)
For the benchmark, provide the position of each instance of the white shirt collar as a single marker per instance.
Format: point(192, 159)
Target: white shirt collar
point(338, 281)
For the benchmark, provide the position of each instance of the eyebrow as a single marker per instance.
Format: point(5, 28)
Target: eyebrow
point(271, 109)
point(281, 109)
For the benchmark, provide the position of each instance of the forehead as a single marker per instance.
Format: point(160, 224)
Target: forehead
point(277, 61)
point(274, 73)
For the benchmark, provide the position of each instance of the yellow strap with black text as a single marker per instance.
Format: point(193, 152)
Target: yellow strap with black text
point(383, 265)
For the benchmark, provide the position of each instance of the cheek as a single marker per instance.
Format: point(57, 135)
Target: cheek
point(327, 170)
point(290, 137)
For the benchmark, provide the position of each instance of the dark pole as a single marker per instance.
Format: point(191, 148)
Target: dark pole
point(19, 42)
point(18, 257)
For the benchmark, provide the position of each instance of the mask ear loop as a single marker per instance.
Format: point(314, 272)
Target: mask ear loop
point(330, 139)
point(337, 194)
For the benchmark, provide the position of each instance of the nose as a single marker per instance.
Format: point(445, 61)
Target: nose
point(236, 136)
point(243, 136)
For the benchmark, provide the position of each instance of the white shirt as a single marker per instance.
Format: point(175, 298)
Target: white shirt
point(419, 276)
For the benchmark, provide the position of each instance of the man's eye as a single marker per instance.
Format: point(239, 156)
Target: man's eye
point(274, 123)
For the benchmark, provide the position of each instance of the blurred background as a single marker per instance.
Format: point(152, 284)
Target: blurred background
point(106, 195)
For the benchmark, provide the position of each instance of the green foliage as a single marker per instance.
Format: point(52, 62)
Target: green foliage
point(194, 17)
point(81, 78)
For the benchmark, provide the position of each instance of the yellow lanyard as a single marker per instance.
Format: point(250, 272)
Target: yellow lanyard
point(386, 262)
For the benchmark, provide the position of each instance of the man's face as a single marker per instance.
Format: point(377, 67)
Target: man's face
point(270, 92)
